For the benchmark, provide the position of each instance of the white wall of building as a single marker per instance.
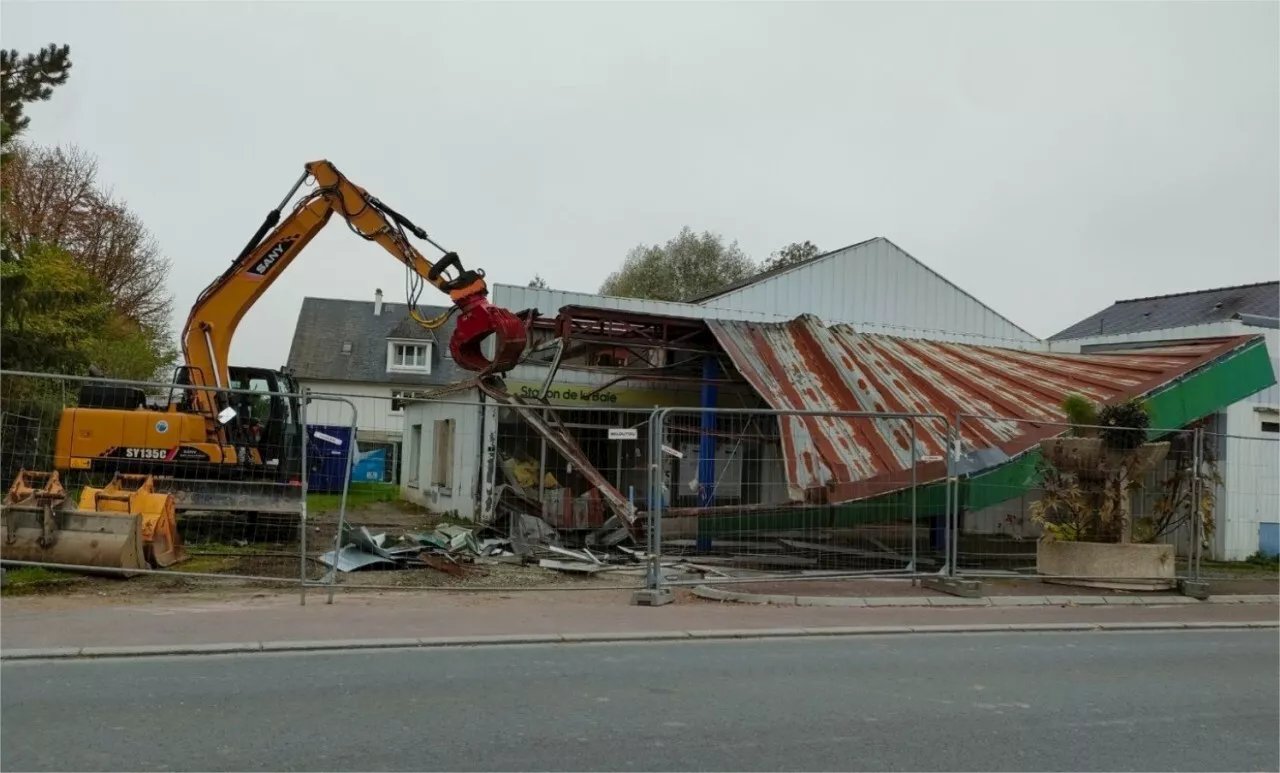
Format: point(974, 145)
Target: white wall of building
point(373, 405)
point(444, 466)
point(878, 288)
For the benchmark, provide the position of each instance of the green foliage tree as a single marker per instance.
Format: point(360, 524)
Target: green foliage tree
point(56, 314)
point(796, 252)
point(56, 318)
point(538, 283)
point(689, 265)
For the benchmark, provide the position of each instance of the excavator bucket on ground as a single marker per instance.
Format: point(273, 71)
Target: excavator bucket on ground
point(136, 496)
point(125, 525)
point(477, 320)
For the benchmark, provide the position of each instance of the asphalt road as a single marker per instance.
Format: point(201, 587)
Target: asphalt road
point(1196, 701)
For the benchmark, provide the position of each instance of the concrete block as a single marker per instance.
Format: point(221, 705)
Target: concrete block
point(652, 598)
point(969, 589)
point(1195, 589)
point(1143, 565)
point(712, 594)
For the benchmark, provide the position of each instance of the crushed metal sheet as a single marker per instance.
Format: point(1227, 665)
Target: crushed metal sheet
point(576, 567)
point(351, 558)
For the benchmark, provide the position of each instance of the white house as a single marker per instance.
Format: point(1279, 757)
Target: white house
point(375, 356)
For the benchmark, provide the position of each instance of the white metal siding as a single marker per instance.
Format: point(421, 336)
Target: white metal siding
point(878, 288)
point(474, 429)
point(549, 302)
point(1250, 468)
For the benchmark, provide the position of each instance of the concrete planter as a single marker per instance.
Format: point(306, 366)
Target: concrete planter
point(1127, 566)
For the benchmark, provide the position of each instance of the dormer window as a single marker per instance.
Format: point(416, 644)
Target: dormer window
point(408, 357)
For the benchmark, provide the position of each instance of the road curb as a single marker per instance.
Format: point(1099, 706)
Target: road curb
point(719, 594)
point(103, 653)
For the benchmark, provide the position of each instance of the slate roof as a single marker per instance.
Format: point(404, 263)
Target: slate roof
point(1160, 312)
point(325, 324)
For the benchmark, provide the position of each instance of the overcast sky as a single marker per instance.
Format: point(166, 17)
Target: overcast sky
point(1047, 157)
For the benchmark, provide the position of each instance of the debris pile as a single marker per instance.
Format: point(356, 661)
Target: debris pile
point(520, 539)
point(464, 551)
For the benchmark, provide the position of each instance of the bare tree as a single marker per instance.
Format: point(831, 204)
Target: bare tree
point(54, 199)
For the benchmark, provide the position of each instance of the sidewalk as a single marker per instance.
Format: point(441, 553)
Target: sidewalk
point(207, 618)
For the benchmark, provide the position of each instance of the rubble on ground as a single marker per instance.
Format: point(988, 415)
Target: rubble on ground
point(465, 550)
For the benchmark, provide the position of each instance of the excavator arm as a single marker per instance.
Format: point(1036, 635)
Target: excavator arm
point(206, 338)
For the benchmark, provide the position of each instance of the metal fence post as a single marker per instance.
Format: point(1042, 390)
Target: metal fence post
point(948, 536)
point(654, 526)
point(914, 557)
point(302, 518)
point(1197, 530)
point(342, 503)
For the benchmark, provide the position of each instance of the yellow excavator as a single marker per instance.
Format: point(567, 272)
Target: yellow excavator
point(210, 450)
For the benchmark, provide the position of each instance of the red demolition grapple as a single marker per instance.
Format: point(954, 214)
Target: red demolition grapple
point(477, 320)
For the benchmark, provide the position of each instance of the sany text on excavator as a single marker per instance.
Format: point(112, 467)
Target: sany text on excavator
point(236, 452)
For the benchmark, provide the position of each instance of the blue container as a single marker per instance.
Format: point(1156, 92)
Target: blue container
point(327, 462)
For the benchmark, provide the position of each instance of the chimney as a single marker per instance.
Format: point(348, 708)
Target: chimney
point(377, 303)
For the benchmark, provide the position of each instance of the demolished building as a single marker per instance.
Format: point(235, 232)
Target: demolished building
point(566, 436)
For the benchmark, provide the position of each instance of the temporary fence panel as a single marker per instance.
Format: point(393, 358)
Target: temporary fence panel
point(191, 479)
point(1247, 502)
point(1026, 491)
point(495, 492)
point(762, 494)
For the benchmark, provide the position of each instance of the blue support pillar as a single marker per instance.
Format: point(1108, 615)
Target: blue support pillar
point(707, 442)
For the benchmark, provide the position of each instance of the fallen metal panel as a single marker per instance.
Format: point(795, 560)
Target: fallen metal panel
point(351, 558)
point(805, 365)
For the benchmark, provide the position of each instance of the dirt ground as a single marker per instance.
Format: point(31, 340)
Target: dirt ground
point(225, 554)
point(224, 558)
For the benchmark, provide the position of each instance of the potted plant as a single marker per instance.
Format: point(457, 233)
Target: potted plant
point(1088, 477)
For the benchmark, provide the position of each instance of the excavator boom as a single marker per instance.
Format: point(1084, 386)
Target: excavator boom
point(217, 312)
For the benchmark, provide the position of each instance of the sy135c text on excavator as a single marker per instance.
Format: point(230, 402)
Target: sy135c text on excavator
point(217, 451)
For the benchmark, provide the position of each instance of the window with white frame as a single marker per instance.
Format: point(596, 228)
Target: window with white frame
point(401, 397)
point(409, 357)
